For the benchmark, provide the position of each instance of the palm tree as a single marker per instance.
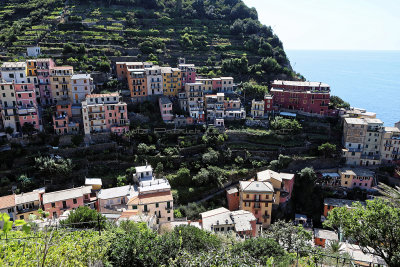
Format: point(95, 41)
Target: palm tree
point(334, 247)
point(389, 193)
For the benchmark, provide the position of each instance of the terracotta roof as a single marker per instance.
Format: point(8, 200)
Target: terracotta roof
point(151, 198)
point(128, 213)
point(7, 202)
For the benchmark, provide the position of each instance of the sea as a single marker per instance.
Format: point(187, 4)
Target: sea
point(365, 79)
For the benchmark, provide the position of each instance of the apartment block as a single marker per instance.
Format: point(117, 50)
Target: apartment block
point(81, 86)
point(63, 122)
point(262, 195)
point(188, 73)
point(28, 204)
point(137, 83)
point(154, 81)
point(390, 145)
point(171, 81)
point(352, 178)
point(9, 114)
point(195, 101)
point(223, 221)
point(27, 107)
point(257, 108)
point(233, 108)
point(367, 142)
point(309, 97)
point(56, 203)
point(121, 68)
point(43, 67)
point(105, 113)
point(154, 198)
point(14, 72)
point(166, 109)
point(215, 108)
point(207, 85)
point(60, 82)
point(115, 199)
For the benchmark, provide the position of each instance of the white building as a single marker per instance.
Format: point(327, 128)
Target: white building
point(14, 71)
point(154, 81)
point(81, 86)
point(33, 51)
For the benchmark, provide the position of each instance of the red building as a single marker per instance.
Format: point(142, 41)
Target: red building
point(310, 97)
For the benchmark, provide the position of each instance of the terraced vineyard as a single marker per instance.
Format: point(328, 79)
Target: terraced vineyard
point(223, 33)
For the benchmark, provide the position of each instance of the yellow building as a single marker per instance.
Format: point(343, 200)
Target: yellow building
point(28, 204)
point(60, 82)
point(171, 81)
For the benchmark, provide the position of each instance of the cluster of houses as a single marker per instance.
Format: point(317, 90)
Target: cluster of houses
point(367, 141)
point(205, 100)
point(148, 198)
point(26, 86)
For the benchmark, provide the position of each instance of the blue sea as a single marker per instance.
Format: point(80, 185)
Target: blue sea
point(365, 79)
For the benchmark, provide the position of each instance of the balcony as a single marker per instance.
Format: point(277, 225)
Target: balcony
point(96, 118)
point(266, 216)
point(65, 207)
point(35, 207)
point(352, 149)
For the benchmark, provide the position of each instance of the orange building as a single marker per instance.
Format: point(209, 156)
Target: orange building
point(323, 237)
point(137, 82)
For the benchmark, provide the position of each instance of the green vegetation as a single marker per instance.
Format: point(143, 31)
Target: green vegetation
point(327, 149)
point(337, 102)
point(374, 227)
point(226, 32)
point(283, 125)
point(135, 244)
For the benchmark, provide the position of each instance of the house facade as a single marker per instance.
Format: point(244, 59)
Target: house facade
point(60, 82)
point(309, 97)
point(56, 203)
point(166, 109)
point(81, 86)
point(105, 113)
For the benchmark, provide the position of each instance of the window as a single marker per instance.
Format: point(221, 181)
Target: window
point(74, 201)
point(134, 207)
point(145, 208)
point(53, 205)
point(156, 205)
point(169, 218)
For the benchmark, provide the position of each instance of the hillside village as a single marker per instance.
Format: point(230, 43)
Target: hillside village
point(176, 133)
point(186, 99)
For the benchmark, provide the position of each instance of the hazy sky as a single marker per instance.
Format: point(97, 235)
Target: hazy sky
point(333, 24)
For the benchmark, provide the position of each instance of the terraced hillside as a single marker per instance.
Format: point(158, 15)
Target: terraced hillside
point(223, 33)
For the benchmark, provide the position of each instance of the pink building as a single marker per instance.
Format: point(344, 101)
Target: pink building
point(43, 66)
point(309, 97)
point(27, 105)
point(188, 73)
point(166, 109)
point(217, 84)
point(56, 203)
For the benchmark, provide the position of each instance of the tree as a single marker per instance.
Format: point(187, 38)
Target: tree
point(293, 238)
point(121, 180)
point(28, 128)
point(327, 149)
point(50, 166)
point(84, 217)
point(103, 66)
point(260, 248)
point(375, 227)
point(159, 168)
point(25, 181)
point(202, 177)
point(282, 124)
point(337, 102)
point(303, 193)
point(183, 176)
point(210, 157)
